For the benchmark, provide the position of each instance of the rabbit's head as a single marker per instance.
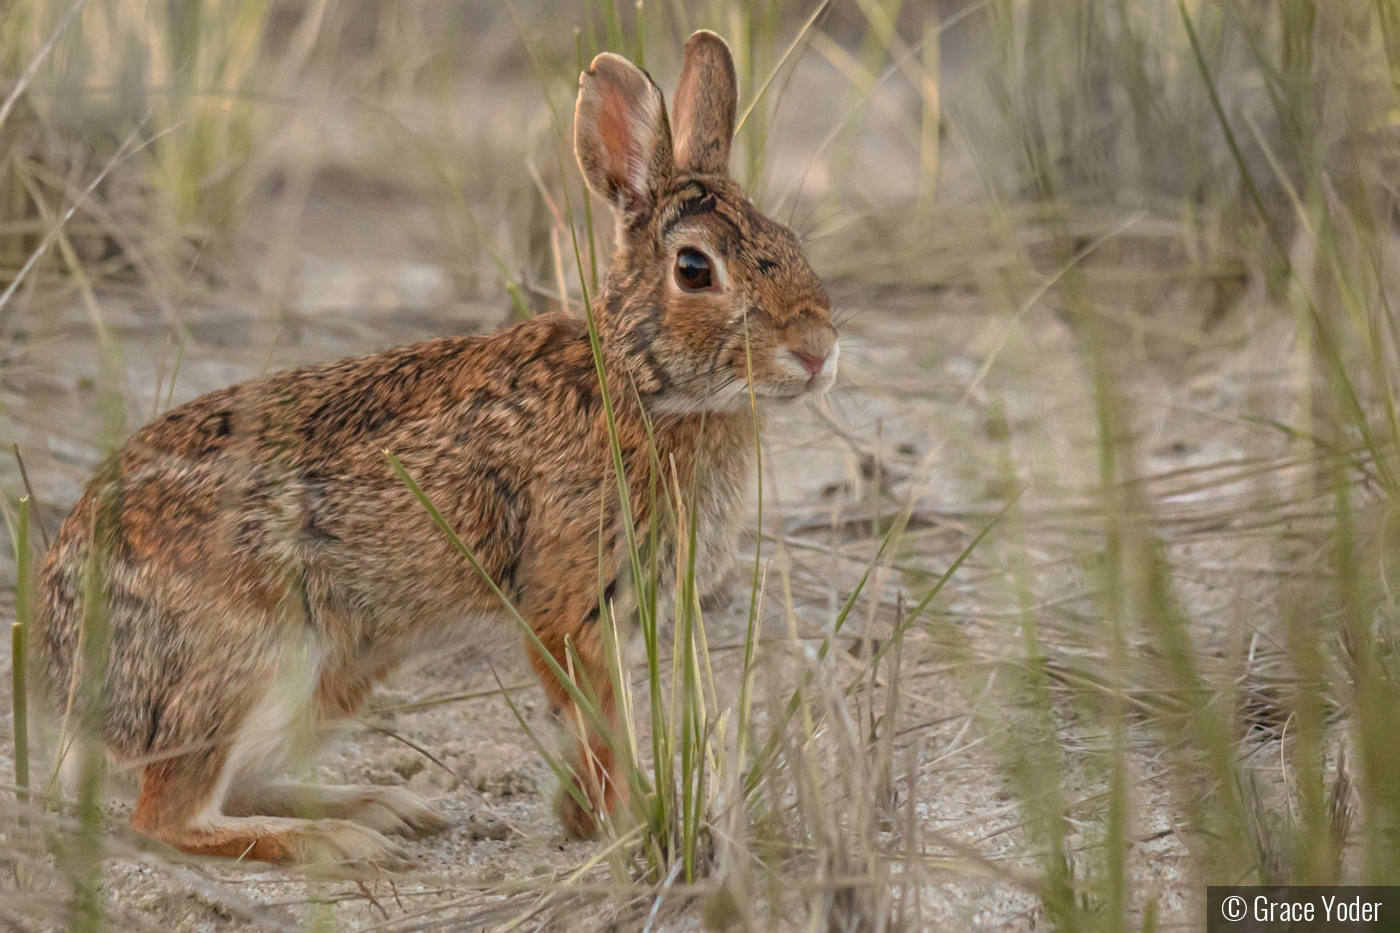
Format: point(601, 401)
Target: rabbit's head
point(702, 285)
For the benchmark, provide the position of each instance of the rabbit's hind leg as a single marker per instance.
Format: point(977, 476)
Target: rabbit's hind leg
point(384, 809)
point(178, 806)
point(340, 687)
point(197, 800)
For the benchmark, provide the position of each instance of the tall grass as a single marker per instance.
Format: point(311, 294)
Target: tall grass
point(1093, 102)
point(182, 74)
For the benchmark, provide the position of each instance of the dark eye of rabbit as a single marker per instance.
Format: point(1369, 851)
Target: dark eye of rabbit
point(693, 270)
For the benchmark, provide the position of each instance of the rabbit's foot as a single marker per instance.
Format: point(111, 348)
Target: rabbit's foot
point(387, 810)
point(346, 844)
point(579, 822)
point(395, 810)
point(333, 844)
point(596, 782)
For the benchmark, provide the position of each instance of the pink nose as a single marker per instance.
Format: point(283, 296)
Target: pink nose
point(813, 364)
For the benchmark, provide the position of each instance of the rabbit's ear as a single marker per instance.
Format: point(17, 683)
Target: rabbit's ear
point(621, 137)
point(706, 98)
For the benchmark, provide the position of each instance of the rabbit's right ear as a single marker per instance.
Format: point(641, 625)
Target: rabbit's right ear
point(621, 137)
point(705, 101)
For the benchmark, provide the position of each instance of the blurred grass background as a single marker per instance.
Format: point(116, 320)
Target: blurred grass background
point(1202, 195)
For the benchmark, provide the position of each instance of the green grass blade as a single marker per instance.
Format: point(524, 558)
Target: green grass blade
point(19, 652)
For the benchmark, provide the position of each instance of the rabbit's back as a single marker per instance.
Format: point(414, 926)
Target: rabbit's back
point(268, 511)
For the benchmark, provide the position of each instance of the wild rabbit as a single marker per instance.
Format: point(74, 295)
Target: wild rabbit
point(261, 565)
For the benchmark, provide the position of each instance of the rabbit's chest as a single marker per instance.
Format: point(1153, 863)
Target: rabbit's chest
point(718, 509)
point(718, 519)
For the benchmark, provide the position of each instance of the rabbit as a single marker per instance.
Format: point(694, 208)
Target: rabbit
point(261, 566)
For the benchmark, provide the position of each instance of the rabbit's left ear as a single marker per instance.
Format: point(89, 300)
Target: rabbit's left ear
point(706, 98)
point(620, 134)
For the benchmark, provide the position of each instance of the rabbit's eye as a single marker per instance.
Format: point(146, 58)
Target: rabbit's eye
point(693, 270)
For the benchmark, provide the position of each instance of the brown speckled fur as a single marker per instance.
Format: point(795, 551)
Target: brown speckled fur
point(264, 567)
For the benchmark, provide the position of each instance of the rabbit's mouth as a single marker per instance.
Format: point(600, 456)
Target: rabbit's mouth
point(818, 384)
point(807, 373)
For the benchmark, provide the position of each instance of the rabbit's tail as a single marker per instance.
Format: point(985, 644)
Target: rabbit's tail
point(56, 633)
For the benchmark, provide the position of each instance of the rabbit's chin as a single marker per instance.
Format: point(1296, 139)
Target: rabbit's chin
point(687, 405)
point(736, 398)
point(814, 387)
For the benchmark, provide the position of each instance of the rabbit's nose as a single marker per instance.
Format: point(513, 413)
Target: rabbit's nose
point(810, 362)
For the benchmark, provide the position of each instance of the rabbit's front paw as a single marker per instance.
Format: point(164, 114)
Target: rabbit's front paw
point(578, 822)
